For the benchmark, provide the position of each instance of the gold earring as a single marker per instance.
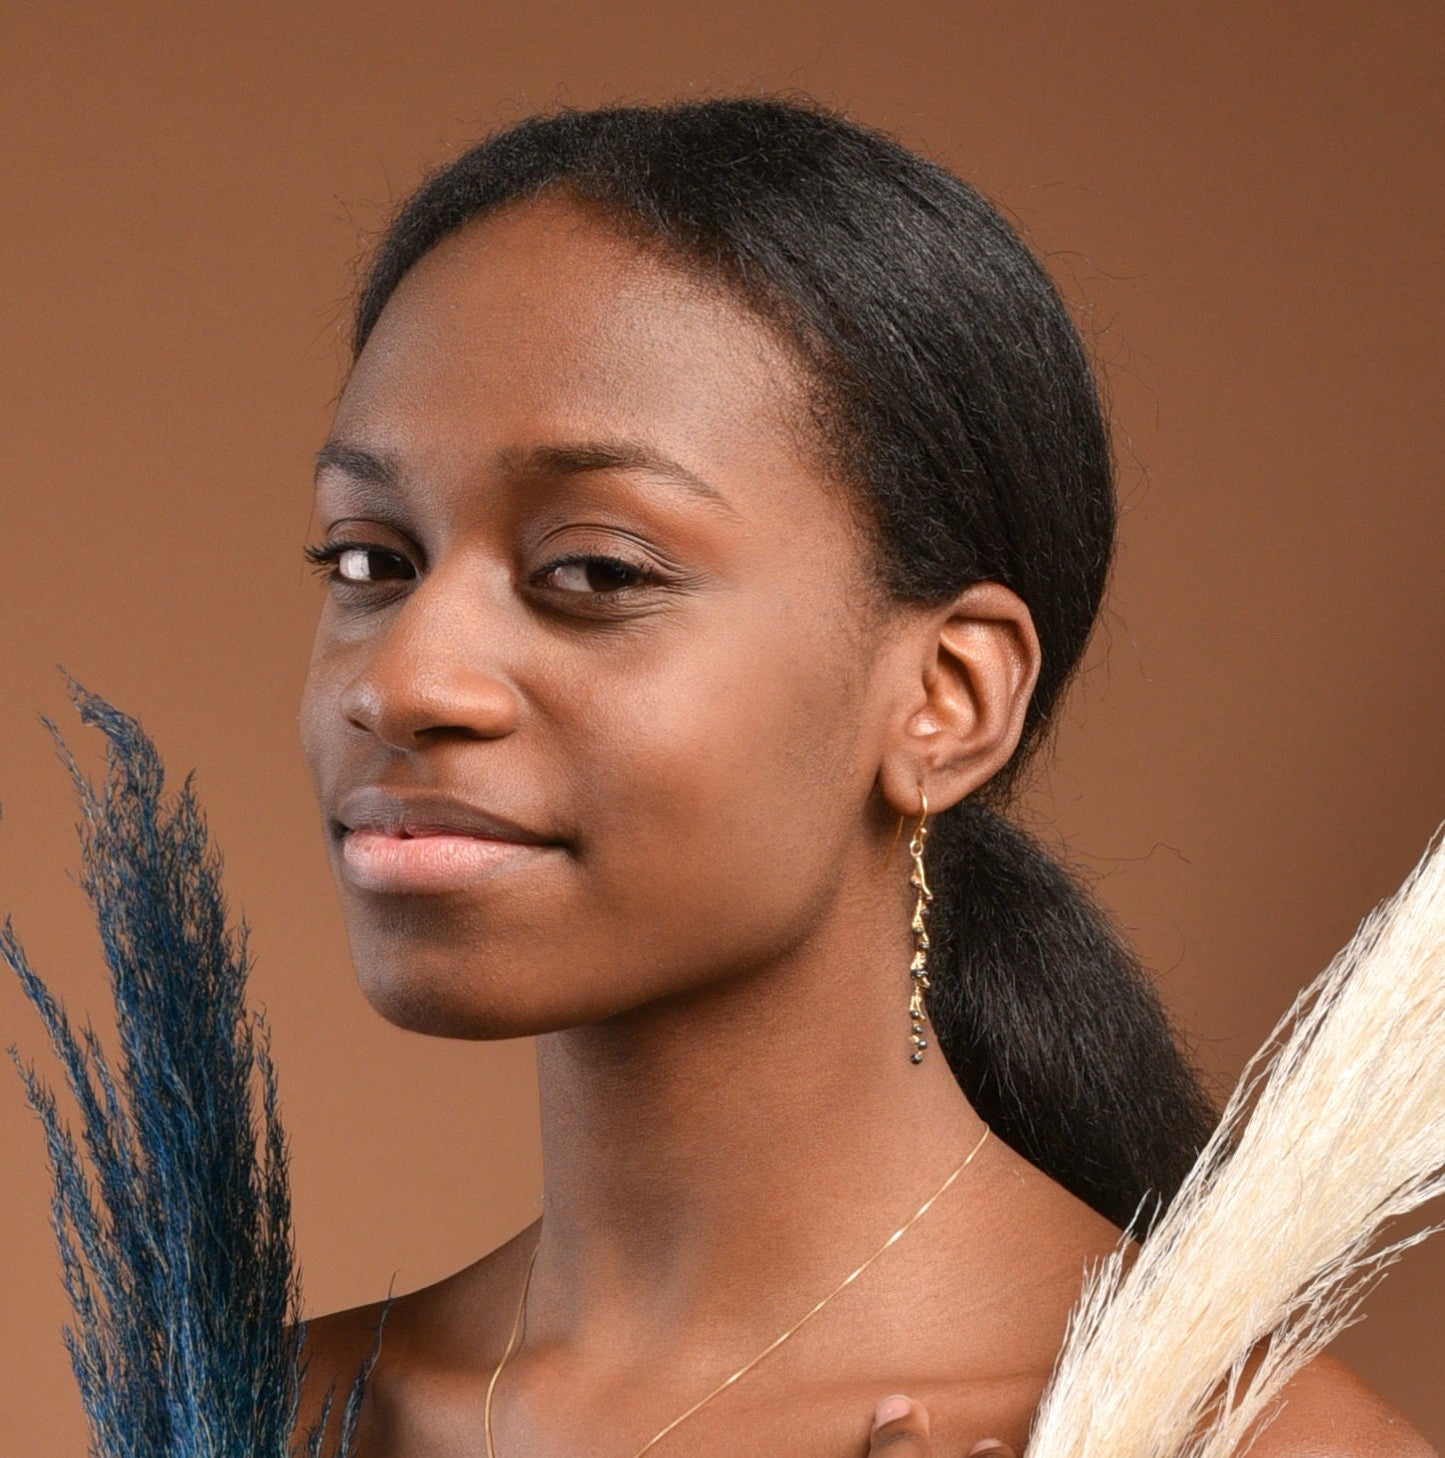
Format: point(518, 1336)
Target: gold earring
point(918, 970)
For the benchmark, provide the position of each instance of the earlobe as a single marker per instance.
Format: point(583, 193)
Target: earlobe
point(976, 663)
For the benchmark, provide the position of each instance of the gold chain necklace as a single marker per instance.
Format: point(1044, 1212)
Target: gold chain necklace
point(517, 1322)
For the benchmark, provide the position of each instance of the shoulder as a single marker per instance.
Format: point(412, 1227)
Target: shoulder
point(1326, 1411)
point(336, 1349)
point(432, 1346)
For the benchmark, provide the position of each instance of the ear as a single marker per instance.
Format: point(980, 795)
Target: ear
point(967, 670)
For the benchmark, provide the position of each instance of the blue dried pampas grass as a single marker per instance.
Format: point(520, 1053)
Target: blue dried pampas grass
point(175, 1245)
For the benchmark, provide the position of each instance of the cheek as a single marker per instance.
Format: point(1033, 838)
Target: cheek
point(317, 711)
point(340, 652)
point(727, 793)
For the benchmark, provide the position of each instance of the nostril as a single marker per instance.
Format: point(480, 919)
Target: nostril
point(361, 705)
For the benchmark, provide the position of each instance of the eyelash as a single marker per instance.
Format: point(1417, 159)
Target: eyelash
point(324, 560)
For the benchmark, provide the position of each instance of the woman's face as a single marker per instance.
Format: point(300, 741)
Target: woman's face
point(587, 580)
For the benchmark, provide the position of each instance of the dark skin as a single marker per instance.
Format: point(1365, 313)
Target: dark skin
point(715, 735)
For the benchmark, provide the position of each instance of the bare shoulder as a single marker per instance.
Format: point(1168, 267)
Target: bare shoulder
point(337, 1347)
point(1328, 1412)
point(426, 1344)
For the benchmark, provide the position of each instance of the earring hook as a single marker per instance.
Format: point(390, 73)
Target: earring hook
point(922, 816)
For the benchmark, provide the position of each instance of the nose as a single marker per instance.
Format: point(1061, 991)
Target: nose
point(434, 671)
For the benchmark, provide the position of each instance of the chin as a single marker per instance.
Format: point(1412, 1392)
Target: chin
point(441, 1006)
point(437, 1005)
point(469, 982)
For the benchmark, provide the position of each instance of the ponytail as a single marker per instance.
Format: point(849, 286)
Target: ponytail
point(1050, 1023)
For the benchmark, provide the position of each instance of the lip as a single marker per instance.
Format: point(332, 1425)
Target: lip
point(425, 842)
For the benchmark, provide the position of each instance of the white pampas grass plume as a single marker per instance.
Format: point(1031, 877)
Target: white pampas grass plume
point(1269, 1247)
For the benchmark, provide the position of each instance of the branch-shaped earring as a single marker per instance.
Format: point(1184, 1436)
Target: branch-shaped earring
point(918, 970)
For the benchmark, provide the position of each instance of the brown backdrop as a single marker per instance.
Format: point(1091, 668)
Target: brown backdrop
point(1241, 198)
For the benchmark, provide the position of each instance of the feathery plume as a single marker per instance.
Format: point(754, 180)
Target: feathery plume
point(175, 1240)
point(1270, 1246)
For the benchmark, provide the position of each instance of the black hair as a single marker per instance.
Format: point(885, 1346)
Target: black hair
point(954, 395)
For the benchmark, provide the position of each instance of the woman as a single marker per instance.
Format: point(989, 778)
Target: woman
point(715, 511)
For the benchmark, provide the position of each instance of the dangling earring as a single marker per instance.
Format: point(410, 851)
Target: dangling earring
point(918, 970)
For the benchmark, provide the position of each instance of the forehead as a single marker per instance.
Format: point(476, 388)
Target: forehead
point(544, 321)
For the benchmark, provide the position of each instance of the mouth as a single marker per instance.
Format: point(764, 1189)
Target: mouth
point(395, 843)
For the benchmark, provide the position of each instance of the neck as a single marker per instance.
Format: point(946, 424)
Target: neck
point(742, 1148)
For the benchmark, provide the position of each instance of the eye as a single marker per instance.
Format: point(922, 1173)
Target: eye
point(583, 572)
point(358, 563)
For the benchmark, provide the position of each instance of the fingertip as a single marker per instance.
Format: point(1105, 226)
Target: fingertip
point(891, 1409)
point(990, 1448)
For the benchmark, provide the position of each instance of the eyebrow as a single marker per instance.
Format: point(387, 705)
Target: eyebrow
point(361, 465)
point(554, 461)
